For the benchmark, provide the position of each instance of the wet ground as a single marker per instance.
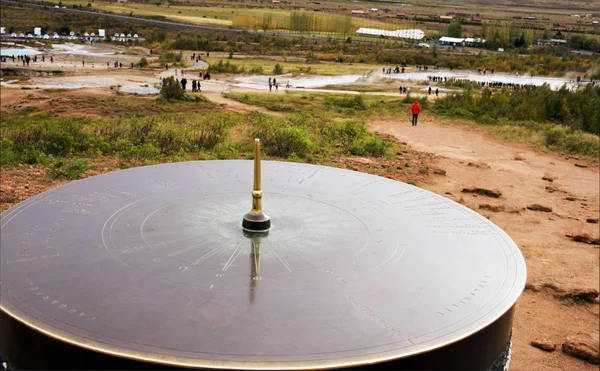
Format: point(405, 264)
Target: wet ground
point(92, 66)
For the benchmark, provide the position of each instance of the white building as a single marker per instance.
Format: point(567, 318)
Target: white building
point(451, 40)
point(2, 30)
point(412, 34)
point(471, 41)
point(101, 33)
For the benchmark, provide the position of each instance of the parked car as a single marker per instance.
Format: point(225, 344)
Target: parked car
point(423, 45)
point(46, 37)
point(13, 35)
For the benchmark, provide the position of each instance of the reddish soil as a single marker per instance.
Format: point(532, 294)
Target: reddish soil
point(517, 171)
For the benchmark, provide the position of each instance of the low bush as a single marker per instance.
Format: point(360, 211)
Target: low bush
point(288, 140)
point(171, 89)
point(171, 58)
point(352, 102)
point(346, 135)
point(142, 63)
point(63, 169)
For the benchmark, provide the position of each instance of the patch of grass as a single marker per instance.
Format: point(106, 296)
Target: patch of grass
point(355, 87)
point(297, 68)
point(71, 169)
point(360, 107)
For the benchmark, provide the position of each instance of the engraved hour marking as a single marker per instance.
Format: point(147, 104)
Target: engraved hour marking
point(233, 256)
point(209, 254)
point(186, 249)
point(280, 257)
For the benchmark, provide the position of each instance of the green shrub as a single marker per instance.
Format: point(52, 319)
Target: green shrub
point(261, 126)
point(287, 141)
point(171, 58)
point(281, 107)
point(256, 70)
point(226, 67)
point(7, 154)
point(68, 169)
point(555, 136)
point(171, 89)
point(142, 63)
point(356, 102)
point(278, 69)
point(170, 141)
point(225, 151)
point(346, 135)
point(376, 147)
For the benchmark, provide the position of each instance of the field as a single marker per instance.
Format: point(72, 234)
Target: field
point(264, 17)
point(65, 120)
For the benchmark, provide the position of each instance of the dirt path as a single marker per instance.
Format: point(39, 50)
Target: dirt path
point(472, 158)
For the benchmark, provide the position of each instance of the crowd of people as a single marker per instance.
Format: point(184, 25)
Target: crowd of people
point(390, 70)
point(273, 83)
point(495, 84)
point(25, 59)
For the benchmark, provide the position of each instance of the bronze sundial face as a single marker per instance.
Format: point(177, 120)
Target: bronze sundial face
point(152, 264)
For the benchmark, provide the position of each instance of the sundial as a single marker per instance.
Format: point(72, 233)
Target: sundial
point(178, 265)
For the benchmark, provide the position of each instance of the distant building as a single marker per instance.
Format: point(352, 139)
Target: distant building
point(447, 17)
point(275, 1)
point(552, 42)
point(595, 22)
point(37, 31)
point(469, 41)
point(477, 19)
point(445, 40)
point(530, 18)
point(413, 34)
point(520, 22)
point(374, 10)
point(358, 12)
point(2, 30)
point(401, 15)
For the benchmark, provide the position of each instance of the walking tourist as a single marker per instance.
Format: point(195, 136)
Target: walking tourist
point(415, 109)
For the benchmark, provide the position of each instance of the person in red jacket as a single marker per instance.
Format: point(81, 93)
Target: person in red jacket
point(415, 112)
